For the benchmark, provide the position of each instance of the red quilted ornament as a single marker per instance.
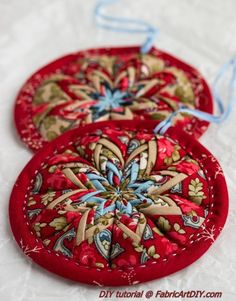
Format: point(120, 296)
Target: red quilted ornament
point(112, 203)
point(109, 84)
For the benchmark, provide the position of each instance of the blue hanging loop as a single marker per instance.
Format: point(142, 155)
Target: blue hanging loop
point(132, 26)
point(224, 113)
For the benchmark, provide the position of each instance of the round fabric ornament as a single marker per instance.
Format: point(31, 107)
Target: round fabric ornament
point(112, 203)
point(109, 84)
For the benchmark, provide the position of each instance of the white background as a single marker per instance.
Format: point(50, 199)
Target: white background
point(33, 32)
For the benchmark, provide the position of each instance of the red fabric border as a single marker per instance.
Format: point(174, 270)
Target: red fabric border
point(69, 269)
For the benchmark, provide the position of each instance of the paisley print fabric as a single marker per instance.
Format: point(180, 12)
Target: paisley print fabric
point(117, 198)
point(114, 193)
point(104, 84)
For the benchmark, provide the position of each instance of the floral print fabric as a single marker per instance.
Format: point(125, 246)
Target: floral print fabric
point(108, 84)
point(116, 198)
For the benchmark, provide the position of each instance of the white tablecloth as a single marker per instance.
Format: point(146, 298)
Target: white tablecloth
point(33, 32)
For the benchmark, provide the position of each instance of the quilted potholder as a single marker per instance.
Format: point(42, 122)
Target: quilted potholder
point(111, 203)
point(108, 84)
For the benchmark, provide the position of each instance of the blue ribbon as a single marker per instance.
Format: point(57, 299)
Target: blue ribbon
point(224, 113)
point(136, 26)
point(133, 26)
